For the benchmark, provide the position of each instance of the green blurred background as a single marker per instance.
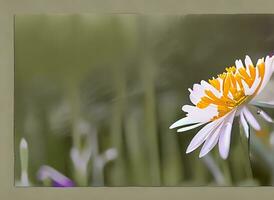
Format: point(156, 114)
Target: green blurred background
point(118, 82)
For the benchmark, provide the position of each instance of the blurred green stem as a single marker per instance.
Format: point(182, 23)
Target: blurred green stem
point(80, 176)
point(148, 74)
point(214, 169)
point(173, 167)
point(224, 164)
point(245, 143)
point(118, 174)
point(75, 111)
point(136, 152)
point(150, 123)
point(97, 165)
point(267, 156)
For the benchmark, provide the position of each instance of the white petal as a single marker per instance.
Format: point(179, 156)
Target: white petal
point(184, 121)
point(192, 97)
point(269, 62)
point(246, 87)
point(239, 64)
point(201, 136)
point(224, 141)
point(207, 86)
point(248, 61)
point(261, 60)
point(265, 116)
point(250, 90)
point(196, 115)
point(266, 94)
point(225, 136)
point(189, 127)
point(254, 86)
point(244, 124)
point(251, 119)
point(196, 94)
point(211, 141)
point(201, 115)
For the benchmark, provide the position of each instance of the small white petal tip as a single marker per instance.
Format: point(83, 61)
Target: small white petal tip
point(201, 155)
point(224, 156)
point(23, 144)
point(172, 126)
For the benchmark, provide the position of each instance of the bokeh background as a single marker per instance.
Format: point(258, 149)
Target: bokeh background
point(102, 90)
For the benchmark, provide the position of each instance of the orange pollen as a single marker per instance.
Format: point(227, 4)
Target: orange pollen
point(229, 85)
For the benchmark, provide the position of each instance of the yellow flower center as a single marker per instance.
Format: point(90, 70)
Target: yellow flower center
point(232, 89)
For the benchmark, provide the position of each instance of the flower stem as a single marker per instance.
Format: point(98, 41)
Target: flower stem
point(245, 146)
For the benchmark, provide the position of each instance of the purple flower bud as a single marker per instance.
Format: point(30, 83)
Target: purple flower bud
point(67, 183)
point(58, 179)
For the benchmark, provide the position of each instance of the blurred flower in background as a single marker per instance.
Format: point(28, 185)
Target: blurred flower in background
point(51, 177)
point(24, 154)
point(47, 174)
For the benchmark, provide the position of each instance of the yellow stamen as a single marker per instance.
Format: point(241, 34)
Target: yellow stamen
point(215, 83)
point(232, 89)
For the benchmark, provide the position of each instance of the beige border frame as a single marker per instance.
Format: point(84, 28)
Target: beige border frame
point(10, 7)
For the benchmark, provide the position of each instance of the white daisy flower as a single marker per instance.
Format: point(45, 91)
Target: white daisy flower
point(218, 101)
